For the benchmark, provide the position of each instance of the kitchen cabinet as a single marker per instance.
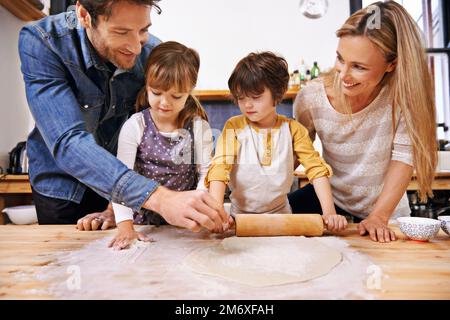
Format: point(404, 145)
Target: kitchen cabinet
point(224, 95)
point(441, 181)
point(23, 9)
point(14, 190)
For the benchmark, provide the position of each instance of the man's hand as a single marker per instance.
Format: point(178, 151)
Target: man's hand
point(188, 209)
point(377, 228)
point(97, 220)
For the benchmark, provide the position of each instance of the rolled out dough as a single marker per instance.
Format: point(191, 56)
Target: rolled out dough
point(265, 261)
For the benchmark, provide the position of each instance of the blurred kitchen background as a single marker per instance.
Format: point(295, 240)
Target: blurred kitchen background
point(223, 31)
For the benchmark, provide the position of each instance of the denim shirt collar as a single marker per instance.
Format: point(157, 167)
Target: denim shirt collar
point(90, 56)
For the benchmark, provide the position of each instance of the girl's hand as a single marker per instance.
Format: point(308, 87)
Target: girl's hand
point(126, 236)
point(334, 222)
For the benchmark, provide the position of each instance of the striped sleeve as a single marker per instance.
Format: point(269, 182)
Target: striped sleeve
point(402, 146)
point(203, 148)
point(303, 114)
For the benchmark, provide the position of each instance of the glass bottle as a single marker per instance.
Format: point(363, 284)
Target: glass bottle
point(315, 71)
point(308, 75)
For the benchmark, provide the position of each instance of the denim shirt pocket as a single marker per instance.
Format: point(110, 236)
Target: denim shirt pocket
point(91, 107)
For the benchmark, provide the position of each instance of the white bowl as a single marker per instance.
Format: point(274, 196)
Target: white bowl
point(445, 224)
point(22, 214)
point(421, 229)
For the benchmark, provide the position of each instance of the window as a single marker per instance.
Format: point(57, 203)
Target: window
point(432, 16)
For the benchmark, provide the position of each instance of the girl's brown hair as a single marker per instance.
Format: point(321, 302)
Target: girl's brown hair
point(173, 65)
point(410, 84)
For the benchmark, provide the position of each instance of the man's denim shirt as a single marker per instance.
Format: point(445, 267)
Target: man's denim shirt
point(78, 106)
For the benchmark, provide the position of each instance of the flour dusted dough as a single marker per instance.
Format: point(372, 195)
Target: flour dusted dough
point(265, 261)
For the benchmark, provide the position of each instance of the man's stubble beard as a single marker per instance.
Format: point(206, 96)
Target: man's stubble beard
point(106, 53)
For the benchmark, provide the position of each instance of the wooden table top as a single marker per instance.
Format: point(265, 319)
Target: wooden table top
point(414, 270)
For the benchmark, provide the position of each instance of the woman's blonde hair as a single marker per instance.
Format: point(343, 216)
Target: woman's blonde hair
point(173, 65)
point(410, 84)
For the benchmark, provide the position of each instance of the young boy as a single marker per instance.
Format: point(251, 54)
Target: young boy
point(255, 153)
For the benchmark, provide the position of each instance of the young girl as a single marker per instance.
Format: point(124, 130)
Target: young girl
point(169, 140)
point(255, 153)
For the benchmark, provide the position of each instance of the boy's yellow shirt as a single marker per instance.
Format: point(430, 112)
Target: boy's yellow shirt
point(228, 146)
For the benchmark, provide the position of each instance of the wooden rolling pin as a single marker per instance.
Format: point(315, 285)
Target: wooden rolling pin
point(260, 225)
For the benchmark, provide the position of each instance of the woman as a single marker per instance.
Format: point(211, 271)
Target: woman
point(375, 116)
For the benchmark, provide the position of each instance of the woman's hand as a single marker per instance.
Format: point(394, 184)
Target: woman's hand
point(377, 228)
point(126, 236)
point(334, 222)
point(98, 220)
point(396, 182)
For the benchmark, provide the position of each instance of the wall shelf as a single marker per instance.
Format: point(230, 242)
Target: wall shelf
point(23, 9)
point(224, 95)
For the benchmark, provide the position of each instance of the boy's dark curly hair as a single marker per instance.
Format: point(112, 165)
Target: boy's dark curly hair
point(257, 71)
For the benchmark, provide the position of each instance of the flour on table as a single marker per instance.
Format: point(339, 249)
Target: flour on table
point(158, 270)
point(265, 261)
point(132, 254)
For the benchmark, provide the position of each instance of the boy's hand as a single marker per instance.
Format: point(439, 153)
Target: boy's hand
point(334, 222)
point(229, 224)
point(126, 236)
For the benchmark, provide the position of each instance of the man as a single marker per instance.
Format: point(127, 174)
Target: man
point(82, 72)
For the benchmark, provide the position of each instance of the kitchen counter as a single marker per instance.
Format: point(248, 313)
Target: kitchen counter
point(18, 187)
point(411, 269)
point(441, 181)
point(23, 9)
point(14, 190)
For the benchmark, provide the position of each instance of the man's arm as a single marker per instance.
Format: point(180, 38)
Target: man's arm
point(59, 120)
